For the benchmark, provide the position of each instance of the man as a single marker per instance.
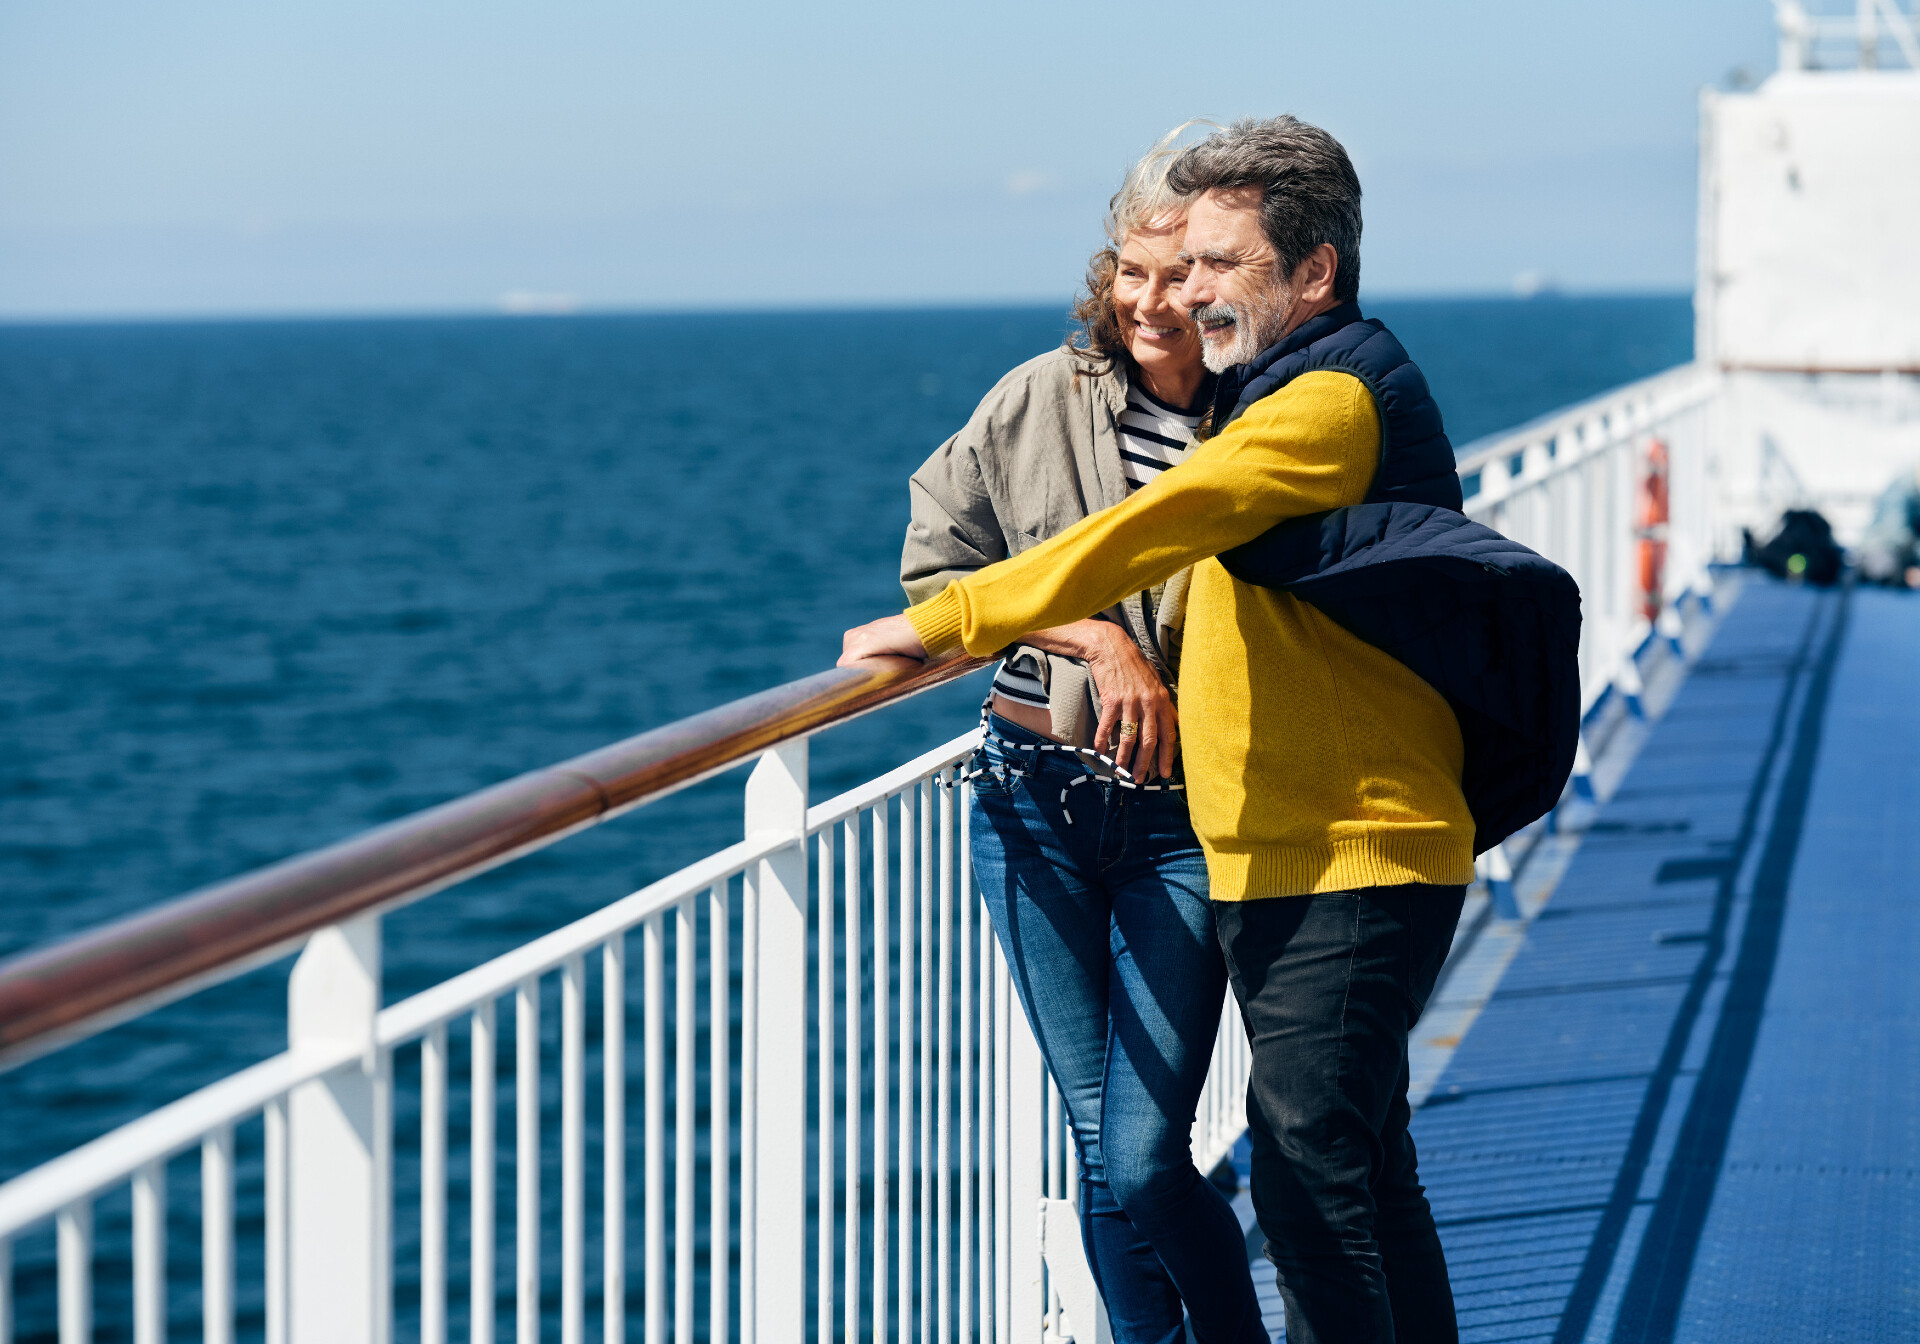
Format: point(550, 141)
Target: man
point(1324, 776)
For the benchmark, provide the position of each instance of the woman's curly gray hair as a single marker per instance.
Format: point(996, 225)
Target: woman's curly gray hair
point(1145, 199)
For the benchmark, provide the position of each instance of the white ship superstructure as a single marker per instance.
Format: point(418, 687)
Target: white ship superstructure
point(1808, 289)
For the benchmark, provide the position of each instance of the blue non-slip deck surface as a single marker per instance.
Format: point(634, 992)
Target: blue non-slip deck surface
point(1692, 1110)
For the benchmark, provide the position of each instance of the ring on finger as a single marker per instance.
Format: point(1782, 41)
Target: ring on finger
point(1128, 728)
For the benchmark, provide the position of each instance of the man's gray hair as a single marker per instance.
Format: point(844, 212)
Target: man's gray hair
point(1309, 192)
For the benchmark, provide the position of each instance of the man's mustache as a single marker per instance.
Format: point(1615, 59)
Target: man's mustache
point(1215, 312)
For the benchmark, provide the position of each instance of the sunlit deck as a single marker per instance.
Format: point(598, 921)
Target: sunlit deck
point(1687, 1109)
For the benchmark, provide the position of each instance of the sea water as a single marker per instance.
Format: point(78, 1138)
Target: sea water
point(265, 584)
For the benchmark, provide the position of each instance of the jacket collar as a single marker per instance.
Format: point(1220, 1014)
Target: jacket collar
point(1226, 397)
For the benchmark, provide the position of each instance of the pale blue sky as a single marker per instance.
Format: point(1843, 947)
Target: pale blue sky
point(215, 156)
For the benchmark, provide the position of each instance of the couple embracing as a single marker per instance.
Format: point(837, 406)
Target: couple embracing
point(1190, 780)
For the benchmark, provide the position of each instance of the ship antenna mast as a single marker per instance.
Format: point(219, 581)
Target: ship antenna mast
point(1870, 23)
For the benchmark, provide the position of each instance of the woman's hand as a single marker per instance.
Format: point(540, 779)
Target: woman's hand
point(889, 637)
point(1130, 692)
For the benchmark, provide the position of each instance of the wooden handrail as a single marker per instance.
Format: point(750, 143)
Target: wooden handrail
point(52, 995)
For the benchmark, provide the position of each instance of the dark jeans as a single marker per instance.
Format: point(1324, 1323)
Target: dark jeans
point(1329, 987)
point(1100, 901)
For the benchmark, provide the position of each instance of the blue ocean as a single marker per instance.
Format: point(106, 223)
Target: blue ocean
point(265, 584)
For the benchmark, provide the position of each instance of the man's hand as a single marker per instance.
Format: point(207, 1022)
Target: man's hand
point(889, 637)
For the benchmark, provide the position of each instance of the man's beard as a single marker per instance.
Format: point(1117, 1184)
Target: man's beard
point(1257, 324)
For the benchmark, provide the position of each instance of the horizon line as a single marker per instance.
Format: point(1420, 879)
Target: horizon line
point(505, 313)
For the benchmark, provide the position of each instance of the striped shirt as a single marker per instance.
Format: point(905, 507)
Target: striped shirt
point(1153, 437)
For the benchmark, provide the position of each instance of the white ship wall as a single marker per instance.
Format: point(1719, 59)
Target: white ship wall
point(1808, 297)
point(1832, 440)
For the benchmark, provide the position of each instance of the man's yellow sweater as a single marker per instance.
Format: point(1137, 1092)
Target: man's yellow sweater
point(1314, 761)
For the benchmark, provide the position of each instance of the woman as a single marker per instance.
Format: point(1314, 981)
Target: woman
point(1095, 883)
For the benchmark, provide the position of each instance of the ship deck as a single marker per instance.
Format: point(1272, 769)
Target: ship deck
point(1687, 1109)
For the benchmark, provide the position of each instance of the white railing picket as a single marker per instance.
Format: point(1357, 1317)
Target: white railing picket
point(74, 1236)
point(216, 1237)
point(927, 1303)
point(526, 1162)
point(882, 1067)
point(957, 791)
point(1002, 1147)
point(825, 1092)
point(150, 1254)
point(685, 985)
point(653, 997)
point(856, 1079)
point(944, 1055)
point(613, 1145)
point(1026, 1171)
point(985, 1167)
point(433, 1186)
point(719, 1106)
point(749, 1106)
point(573, 1151)
point(909, 1000)
point(482, 1280)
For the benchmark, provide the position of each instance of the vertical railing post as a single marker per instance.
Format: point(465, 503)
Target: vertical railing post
point(216, 1236)
point(777, 804)
point(338, 1152)
point(74, 1238)
point(150, 1254)
point(1026, 1178)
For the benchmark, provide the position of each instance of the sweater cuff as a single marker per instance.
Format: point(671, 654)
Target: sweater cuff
point(938, 620)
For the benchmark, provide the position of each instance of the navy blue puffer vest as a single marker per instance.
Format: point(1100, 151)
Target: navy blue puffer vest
point(1416, 459)
point(1490, 625)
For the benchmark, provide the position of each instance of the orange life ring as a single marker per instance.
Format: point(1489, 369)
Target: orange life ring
point(1650, 527)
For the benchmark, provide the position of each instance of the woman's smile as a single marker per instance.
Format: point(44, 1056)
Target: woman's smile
point(1160, 336)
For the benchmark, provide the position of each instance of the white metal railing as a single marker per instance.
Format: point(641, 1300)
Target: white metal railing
point(838, 955)
point(1873, 27)
point(1566, 485)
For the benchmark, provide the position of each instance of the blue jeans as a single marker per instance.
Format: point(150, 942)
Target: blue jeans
point(1099, 898)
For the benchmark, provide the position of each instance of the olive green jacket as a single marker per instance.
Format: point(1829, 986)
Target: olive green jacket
point(1041, 452)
